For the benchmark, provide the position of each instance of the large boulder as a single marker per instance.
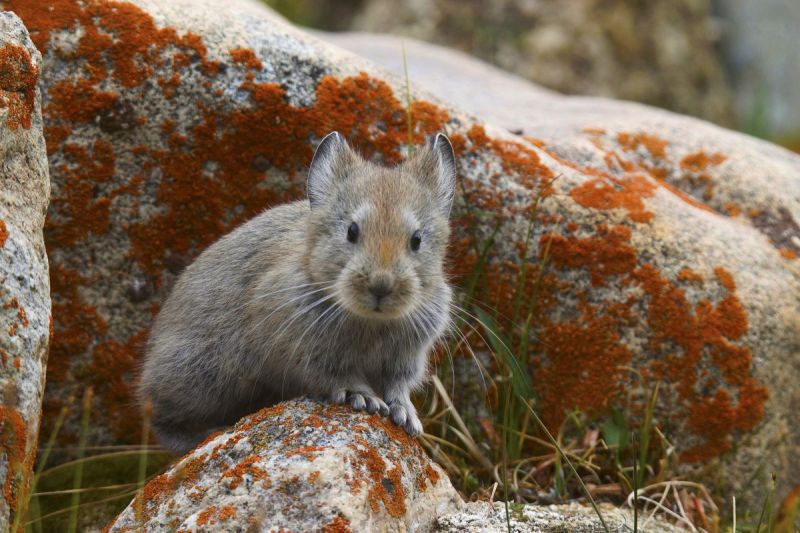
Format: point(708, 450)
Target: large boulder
point(669, 244)
point(298, 466)
point(661, 53)
point(24, 282)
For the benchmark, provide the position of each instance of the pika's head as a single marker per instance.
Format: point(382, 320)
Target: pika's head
point(378, 235)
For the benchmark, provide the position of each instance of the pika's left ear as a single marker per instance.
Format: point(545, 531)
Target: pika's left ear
point(445, 170)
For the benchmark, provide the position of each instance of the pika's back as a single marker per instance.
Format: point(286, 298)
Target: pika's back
point(202, 319)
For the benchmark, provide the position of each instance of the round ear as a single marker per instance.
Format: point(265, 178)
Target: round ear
point(323, 167)
point(442, 149)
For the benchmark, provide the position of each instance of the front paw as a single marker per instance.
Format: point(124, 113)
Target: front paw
point(404, 414)
point(360, 401)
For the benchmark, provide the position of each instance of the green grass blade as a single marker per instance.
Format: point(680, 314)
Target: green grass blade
point(504, 451)
point(78, 477)
point(33, 501)
point(635, 496)
point(517, 369)
point(409, 118)
point(478, 269)
point(143, 463)
point(644, 436)
point(770, 514)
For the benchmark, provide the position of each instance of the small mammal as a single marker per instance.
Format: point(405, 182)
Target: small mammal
point(339, 296)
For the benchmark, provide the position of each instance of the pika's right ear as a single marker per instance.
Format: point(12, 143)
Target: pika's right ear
point(331, 158)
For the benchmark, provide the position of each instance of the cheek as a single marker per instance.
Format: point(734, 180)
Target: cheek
point(430, 259)
point(327, 261)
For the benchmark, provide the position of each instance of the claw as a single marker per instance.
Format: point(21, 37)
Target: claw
point(372, 404)
point(405, 415)
point(357, 401)
point(398, 413)
point(413, 426)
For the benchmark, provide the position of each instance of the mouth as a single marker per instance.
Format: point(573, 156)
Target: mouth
point(378, 310)
point(370, 307)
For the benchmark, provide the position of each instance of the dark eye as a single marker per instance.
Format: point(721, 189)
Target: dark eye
point(352, 233)
point(416, 240)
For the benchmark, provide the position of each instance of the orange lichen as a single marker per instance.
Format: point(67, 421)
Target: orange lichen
point(14, 443)
point(337, 525)
point(605, 191)
point(18, 77)
point(710, 328)
point(384, 486)
point(246, 466)
point(656, 163)
point(591, 342)
point(156, 487)
point(432, 474)
point(226, 512)
point(186, 474)
point(87, 213)
point(134, 50)
point(653, 144)
point(725, 278)
point(787, 253)
point(3, 233)
point(695, 165)
point(79, 101)
point(190, 470)
point(700, 161)
point(607, 254)
point(593, 130)
point(247, 58)
point(517, 159)
point(688, 275)
point(206, 517)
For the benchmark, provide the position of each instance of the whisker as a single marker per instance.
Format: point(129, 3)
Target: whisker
point(300, 312)
point(325, 324)
point(289, 302)
point(285, 325)
point(285, 289)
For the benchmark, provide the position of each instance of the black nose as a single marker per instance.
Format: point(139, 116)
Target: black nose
point(380, 289)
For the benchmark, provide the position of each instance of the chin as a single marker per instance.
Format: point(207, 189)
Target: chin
point(382, 313)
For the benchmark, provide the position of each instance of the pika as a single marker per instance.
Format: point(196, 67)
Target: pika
point(340, 296)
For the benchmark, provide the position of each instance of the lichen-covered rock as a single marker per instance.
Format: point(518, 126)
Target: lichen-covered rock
point(572, 518)
point(24, 284)
point(298, 466)
point(669, 245)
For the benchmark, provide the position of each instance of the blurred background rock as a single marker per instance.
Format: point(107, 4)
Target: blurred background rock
point(733, 62)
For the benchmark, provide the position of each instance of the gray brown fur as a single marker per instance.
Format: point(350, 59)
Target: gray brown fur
point(242, 328)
